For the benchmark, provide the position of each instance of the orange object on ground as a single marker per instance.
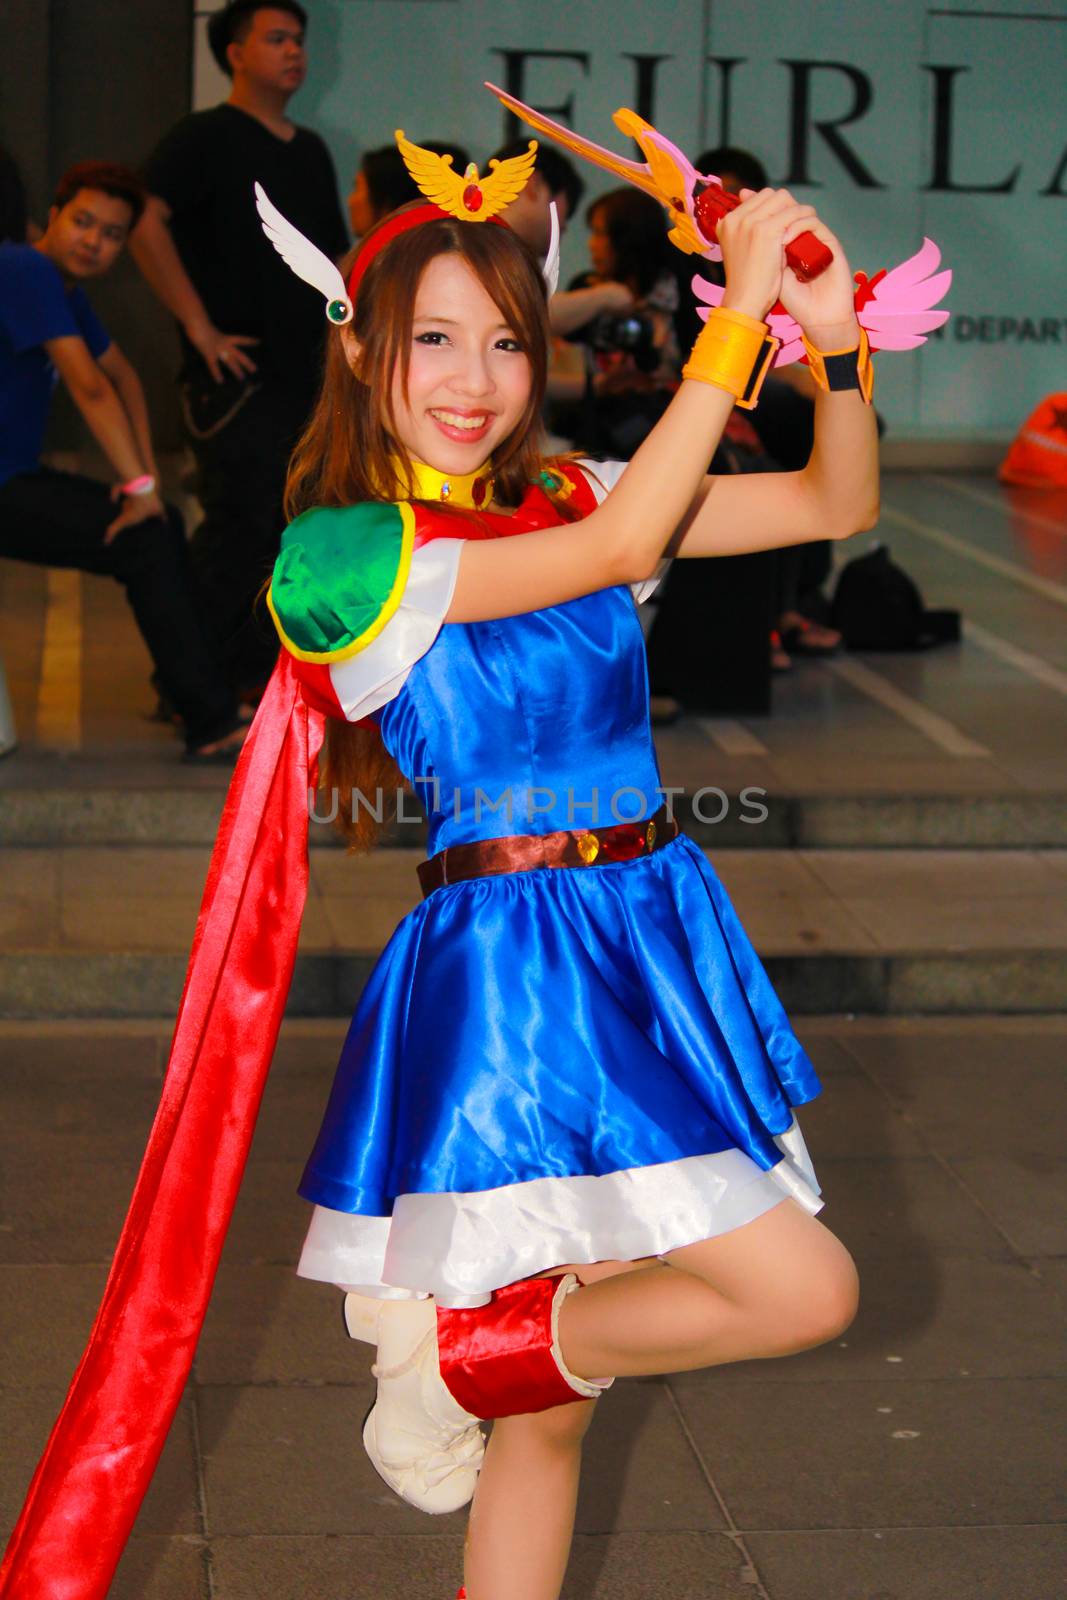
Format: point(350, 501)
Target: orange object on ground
point(1038, 456)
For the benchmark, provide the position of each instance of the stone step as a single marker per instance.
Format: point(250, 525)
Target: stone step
point(715, 818)
point(100, 932)
point(50, 986)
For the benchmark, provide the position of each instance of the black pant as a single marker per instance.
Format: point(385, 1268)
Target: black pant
point(58, 519)
point(242, 436)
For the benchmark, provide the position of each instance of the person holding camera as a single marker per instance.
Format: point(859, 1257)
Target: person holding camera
point(631, 358)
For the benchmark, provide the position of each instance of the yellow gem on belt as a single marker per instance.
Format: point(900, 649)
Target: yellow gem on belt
point(650, 835)
point(588, 847)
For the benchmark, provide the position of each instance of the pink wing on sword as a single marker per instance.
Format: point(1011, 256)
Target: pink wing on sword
point(896, 307)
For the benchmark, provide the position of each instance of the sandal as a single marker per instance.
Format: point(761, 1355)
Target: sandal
point(780, 660)
point(222, 752)
point(807, 638)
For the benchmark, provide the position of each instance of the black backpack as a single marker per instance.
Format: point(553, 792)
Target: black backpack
point(878, 607)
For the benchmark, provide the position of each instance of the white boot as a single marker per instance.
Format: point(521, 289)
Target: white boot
point(419, 1439)
point(361, 1313)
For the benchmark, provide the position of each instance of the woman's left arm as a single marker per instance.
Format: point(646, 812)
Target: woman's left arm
point(836, 494)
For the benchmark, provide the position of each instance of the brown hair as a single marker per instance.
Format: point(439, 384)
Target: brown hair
point(348, 454)
point(107, 177)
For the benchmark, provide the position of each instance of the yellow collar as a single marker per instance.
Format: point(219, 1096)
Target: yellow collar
point(472, 490)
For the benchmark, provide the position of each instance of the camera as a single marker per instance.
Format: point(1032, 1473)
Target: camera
point(630, 333)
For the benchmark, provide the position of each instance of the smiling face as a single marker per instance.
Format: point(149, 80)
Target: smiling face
point(468, 381)
point(84, 236)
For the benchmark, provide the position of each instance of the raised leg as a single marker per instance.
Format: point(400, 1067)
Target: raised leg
point(780, 1284)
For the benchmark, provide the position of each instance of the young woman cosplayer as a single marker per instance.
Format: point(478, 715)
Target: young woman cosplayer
point(560, 1148)
point(569, 1068)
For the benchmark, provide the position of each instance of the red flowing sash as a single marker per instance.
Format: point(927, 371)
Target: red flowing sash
point(103, 1449)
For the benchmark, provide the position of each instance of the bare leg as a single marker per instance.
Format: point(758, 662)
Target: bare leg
point(777, 1285)
point(522, 1519)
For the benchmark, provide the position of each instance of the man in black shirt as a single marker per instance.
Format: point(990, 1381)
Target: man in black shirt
point(246, 391)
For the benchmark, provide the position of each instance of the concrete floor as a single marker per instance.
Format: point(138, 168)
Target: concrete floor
point(919, 1458)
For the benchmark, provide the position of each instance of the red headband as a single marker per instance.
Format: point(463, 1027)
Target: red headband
point(401, 223)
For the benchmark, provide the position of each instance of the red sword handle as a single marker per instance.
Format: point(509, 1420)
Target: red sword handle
point(806, 255)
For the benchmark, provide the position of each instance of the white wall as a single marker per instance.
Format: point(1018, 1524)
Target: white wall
point(419, 64)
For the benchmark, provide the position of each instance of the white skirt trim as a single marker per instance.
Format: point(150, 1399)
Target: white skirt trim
point(460, 1247)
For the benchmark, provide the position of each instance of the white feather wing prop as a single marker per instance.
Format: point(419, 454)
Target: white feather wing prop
point(303, 257)
point(551, 266)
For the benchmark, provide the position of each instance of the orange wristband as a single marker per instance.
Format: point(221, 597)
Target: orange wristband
point(734, 352)
point(843, 369)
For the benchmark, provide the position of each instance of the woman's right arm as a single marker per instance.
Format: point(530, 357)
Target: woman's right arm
point(623, 539)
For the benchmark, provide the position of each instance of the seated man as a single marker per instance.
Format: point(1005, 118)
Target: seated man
point(62, 519)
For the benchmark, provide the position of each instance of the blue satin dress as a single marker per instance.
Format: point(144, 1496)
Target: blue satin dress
point(526, 1035)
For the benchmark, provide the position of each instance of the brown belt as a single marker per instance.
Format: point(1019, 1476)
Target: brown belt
point(520, 852)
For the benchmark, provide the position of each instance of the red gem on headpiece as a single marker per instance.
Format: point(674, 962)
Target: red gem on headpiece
point(472, 197)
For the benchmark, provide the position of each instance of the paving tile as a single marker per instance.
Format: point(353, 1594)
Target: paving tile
point(128, 922)
point(266, 1325)
point(630, 1566)
point(820, 1038)
point(801, 924)
point(316, 929)
point(870, 874)
point(974, 1095)
point(28, 922)
point(638, 1471)
point(913, 1563)
point(925, 922)
point(147, 874)
point(786, 873)
point(89, 1115)
point(94, 985)
point(270, 1219)
point(162, 1569)
point(908, 1208)
point(170, 1506)
point(825, 982)
point(657, 1566)
point(1009, 980)
point(356, 923)
point(291, 1460)
point(73, 1051)
point(289, 1118)
point(54, 1210)
point(309, 1046)
point(372, 1567)
point(956, 1452)
point(384, 874)
point(929, 1318)
point(1025, 1195)
point(30, 874)
point(46, 1313)
point(850, 1116)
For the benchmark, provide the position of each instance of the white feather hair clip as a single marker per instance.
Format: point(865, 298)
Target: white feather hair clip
point(316, 268)
point(305, 259)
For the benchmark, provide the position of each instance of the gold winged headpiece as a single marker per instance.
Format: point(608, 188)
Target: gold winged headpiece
point(471, 197)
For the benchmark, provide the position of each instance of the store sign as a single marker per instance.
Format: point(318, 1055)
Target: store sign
point(897, 121)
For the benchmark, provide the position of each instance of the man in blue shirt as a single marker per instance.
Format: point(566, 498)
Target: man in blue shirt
point(48, 331)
